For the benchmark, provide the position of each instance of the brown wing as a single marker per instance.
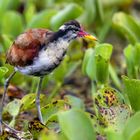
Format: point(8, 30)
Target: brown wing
point(27, 46)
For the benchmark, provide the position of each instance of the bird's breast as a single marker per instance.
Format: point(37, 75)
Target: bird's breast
point(48, 59)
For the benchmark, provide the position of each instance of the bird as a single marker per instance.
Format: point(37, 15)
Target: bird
point(38, 51)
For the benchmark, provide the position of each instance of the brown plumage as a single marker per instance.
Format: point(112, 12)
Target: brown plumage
point(27, 46)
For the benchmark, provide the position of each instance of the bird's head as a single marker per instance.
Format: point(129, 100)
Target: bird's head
point(72, 29)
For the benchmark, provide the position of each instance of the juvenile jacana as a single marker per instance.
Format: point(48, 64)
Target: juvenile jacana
point(38, 52)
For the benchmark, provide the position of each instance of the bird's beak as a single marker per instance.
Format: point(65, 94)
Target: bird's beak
point(86, 35)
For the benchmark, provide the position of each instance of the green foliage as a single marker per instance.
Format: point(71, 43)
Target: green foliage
point(70, 12)
point(96, 63)
point(3, 71)
point(128, 26)
point(15, 28)
point(131, 53)
point(132, 89)
point(83, 125)
point(42, 20)
point(132, 128)
point(13, 108)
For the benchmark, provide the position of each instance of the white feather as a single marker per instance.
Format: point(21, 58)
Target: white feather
point(46, 58)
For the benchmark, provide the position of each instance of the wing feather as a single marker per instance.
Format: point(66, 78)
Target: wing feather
point(26, 47)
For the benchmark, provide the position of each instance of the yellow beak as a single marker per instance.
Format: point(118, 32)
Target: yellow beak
point(90, 37)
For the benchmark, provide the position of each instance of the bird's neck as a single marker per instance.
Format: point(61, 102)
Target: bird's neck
point(62, 35)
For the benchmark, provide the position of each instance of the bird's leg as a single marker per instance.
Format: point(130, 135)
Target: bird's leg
point(38, 100)
point(6, 84)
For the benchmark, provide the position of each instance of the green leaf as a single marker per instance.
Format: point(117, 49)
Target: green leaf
point(88, 66)
point(29, 12)
point(7, 42)
point(104, 50)
point(102, 55)
point(132, 128)
point(3, 71)
point(16, 25)
point(96, 63)
point(128, 26)
point(132, 59)
point(111, 3)
point(111, 135)
point(99, 9)
point(114, 76)
point(132, 89)
point(13, 107)
point(66, 68)
point(129, 56)
point(71, 11)
point(76, 125)
point(89, 12)
point(50, 136)
point(42, 19)
point(107, 97)
point(102, 71)
point(115, 117)
point(28, 101)
point(75, 102)
point(7, 4)
point(52, 108)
